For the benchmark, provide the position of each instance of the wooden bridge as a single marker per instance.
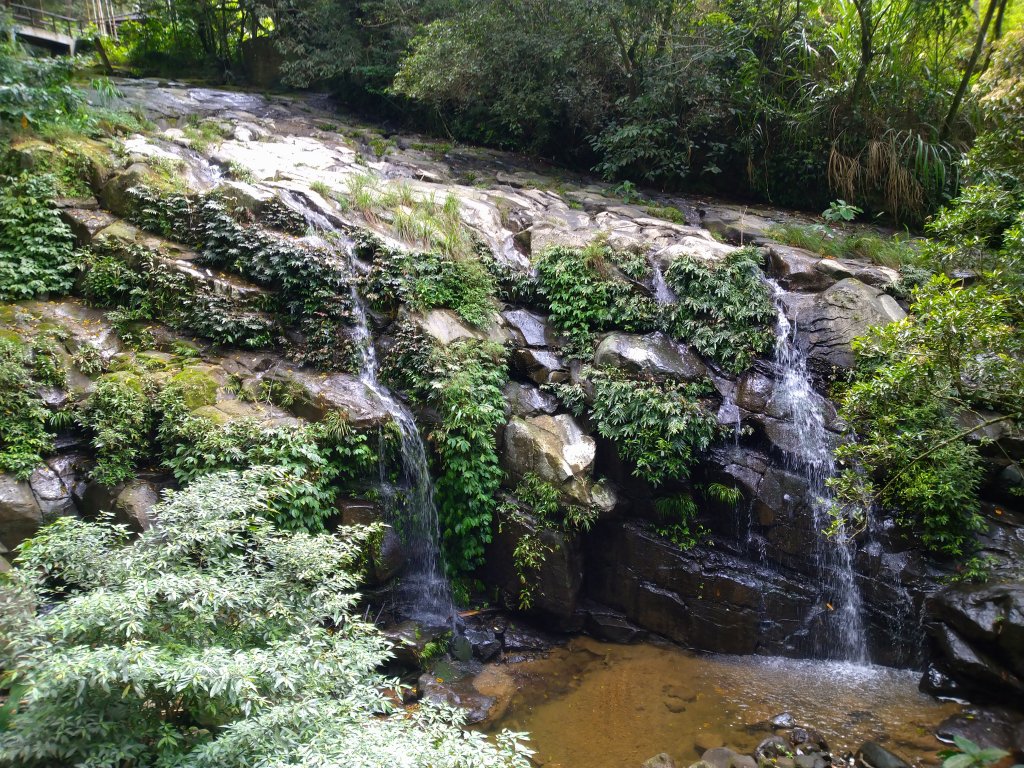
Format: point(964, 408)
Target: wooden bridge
point(57, 32)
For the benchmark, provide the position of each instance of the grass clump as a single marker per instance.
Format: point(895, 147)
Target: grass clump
point(893, 252)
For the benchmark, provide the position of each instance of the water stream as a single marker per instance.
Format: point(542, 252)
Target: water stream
point(423, 592)
point(844, 635)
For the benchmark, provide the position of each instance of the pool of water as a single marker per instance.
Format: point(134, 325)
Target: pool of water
point(598, 705)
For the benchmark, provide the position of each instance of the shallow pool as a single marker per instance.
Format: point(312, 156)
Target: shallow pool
point(598, 705)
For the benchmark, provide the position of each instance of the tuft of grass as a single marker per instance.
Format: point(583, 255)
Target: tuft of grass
point(894, 252)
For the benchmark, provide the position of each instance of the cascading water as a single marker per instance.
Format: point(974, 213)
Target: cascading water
point(662, 293)
point(844, 637)
point(423, 592)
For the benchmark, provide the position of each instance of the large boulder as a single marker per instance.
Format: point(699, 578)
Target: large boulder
point(446, 326)
point(702, 597)
point(554, 585)
point(976, 633)
point(20, 514)
point(828, 322)
point(556, 450)
point(653, 354)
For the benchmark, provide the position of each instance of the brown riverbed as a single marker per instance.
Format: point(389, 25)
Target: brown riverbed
point(598, 705)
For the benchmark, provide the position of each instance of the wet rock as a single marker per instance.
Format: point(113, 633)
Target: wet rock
point(541, 366)
point(660, 588)
point(527, 400)
point(484, 642)
point(720, 757)
point(976, 633)
point(772, 748)
point(808, 740)
point(461, 648)
point(528, 328)
point(446, 326)
point(737, 225)
point(20, 514)
point(52, 485)
point(319, 394)
point(872, 755)
point(459, 694)
point(653, 354)
point(524, 639)
point(828, 322)
point(609, 625)
point(664, 760)
point(135, 502)
point(988, 727)
point(782, 721)
point(871, 274)
point(796, 269)
point(555, 584)
point(86, 223)
point(556, 450)
point(410, 639)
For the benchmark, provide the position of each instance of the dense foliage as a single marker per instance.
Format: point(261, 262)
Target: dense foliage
point(923, 386)
point(585, 293)
point(931, 392)
point(462, 382)
point(213, 639)
point(661, 427)
point(24, 439)
point(724, 310)
point(36, 246)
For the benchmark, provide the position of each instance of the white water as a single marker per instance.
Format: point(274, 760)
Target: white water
point(423, 591)
point(662, 293)
point(844, 636)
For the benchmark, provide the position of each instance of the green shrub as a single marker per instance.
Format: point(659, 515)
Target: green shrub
point(119, 415)
point(213, 640)
point(662, 427)
point(463, 383)
point(311, 284)
point(423, 281)
point(584, 294)
point(319, 459)
point(36, 246)
point(134, 281)
point(24, 439)
point(724, 310)
point(917, 382)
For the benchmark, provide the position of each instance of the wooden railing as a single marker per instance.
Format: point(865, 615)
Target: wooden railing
point(45, 20)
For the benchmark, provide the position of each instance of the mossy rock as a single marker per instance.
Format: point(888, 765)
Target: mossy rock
point(152, 360)
point(197, 387)
point(127, 378)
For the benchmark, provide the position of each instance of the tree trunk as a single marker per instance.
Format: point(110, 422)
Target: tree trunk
point(979, 45)
point(867, 49)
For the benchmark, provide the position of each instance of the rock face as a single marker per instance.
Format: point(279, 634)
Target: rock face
point(556, 583)
point(555, 449)
point(976, 633)
point(654, 354)
point(706, 600)
point(831, 320)
point(20, 514)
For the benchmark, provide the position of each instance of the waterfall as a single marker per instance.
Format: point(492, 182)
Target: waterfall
point(844, 637)
point(423, 592)
point(662, 293)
